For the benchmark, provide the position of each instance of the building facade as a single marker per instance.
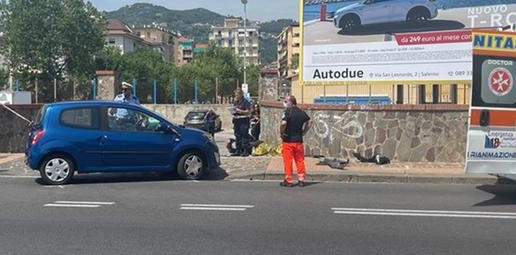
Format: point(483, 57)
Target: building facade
point(159, 38)
point(185, 49)
point(243, 41)
point(288, 52)
point(119, 35)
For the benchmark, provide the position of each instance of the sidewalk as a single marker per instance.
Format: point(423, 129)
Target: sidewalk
point(356, 171)
point(271, 168)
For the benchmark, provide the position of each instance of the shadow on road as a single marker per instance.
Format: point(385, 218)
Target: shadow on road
point(99, 178)
point(504, 192)
point(404, 27)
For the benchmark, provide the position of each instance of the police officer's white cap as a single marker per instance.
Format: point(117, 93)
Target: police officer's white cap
point(127, 85)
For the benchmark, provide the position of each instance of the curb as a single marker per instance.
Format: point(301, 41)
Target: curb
point(372, 178)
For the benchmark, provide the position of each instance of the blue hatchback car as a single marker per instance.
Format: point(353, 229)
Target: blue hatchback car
point(105, 136)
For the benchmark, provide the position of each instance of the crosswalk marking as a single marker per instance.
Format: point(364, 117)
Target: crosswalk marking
point(215, 207)
point(83, 204)
point(425, 213)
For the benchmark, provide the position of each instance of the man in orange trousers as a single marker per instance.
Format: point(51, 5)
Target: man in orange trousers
point(294, 124)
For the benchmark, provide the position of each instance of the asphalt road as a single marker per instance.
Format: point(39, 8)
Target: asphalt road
point(129, 216)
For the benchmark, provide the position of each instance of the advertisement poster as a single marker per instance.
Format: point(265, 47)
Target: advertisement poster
point(394, 41)
point(491, 146)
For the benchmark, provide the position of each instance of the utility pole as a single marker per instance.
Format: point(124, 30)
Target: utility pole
point(245, 41)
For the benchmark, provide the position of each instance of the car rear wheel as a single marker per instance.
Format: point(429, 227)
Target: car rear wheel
point(190, 166)
point(57, 169)
point(349, 23)
point(418, 15)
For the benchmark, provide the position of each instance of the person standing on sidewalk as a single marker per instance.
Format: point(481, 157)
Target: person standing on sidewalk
point(241, 114)
point(294, 124)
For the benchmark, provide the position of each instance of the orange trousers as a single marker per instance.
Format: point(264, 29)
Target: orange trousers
point(296, 152)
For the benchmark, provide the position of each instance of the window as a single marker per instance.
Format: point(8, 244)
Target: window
point(111, 41)
point(80, 117)
point(122, 119)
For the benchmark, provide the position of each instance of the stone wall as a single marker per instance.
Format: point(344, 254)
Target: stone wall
point(410, 133)
point(14, 129)
point(413, 133)
point(177, 113)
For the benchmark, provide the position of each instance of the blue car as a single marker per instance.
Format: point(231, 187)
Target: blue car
point(105, 136)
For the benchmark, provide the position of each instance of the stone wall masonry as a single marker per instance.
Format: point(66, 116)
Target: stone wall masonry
point(406, 133)
point(14, 129)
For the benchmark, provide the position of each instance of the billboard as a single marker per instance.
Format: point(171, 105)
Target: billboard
point(394, 41)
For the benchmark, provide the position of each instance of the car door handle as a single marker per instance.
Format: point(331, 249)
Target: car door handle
point(102, 139)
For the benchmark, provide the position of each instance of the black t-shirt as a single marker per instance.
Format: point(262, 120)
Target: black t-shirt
point(295, 119)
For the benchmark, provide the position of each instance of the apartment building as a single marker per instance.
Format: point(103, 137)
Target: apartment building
point(288, 52)
point(243, 41)
point(185, 49)
point(159, 38)
point(120, 35)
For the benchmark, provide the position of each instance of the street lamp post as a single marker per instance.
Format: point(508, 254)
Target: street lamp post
point(245, 41)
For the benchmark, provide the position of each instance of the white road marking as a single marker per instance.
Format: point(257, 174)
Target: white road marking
point(425, 213)
point(84, 204)
point(71, 205)
point(215, 207)
point(18, 176)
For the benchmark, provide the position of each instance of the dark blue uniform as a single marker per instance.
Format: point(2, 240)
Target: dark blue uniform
point(241, 127)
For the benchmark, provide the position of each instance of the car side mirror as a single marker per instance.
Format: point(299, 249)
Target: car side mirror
point(168, 129)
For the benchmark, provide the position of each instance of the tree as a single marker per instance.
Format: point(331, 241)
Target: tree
point(52, 37)
point(217, 65)
point(146, 66)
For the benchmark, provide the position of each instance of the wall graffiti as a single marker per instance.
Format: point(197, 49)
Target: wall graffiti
point(334, 126)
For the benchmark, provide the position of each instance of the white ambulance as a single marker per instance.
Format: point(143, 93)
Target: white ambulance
point(491, 146)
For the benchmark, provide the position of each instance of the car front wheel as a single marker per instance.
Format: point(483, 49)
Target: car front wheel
point(57, 169)
point(418, 16)
point(190, 166)
point(349, 23)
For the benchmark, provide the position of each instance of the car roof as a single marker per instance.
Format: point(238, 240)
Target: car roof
point(90, 103)
point(193, 111)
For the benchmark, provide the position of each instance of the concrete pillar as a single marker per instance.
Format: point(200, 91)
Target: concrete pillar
point(106, 85)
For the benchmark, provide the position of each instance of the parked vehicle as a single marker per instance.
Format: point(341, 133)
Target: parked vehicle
point(384, 11)
point(105, 136)
point(196, 119)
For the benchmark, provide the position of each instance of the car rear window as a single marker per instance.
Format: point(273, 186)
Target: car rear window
point(192, 115)
point(79, 117)
point(38, 118)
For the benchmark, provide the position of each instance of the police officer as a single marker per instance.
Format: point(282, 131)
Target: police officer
point(124, 118)
point(127, 94)
point(241, 114)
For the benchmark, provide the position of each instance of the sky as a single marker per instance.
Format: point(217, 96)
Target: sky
point(257, 10)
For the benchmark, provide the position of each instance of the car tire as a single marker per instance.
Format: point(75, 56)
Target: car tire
point(57, 169)
point(418, 15)
point(349, 23)
point(190, 166)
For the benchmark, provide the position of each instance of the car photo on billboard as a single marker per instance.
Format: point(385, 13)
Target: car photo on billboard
point(394, 41)
point(368, 12)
